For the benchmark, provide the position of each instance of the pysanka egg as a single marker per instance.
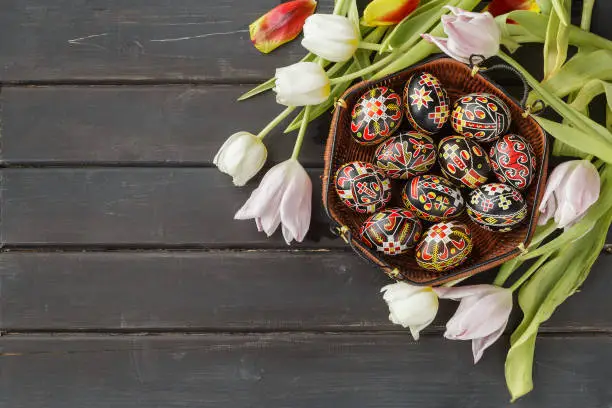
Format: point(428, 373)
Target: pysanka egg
point(392, 231)
point(362, 187)
point(432, 198)
point(405, 155)
point(481, 116)
point(497, 207)
point(376, 115)
point(513, 161)
point(427, 104)
point(444, 246)
point(463, 161)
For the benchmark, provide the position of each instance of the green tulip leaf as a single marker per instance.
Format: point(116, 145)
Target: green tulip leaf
point(353, 13)
point(519, 367)
point(561, 8)
point(587, 13)
point(556, 42)
point(579, 70)
point(411, 28)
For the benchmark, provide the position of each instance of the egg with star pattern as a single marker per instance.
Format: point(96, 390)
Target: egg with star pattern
point(427, 104)
point(405, 155)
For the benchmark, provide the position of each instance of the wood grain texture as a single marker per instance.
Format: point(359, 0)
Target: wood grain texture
point(229, 290)
point(137, 207)
point(292, 370)
point(160, 125)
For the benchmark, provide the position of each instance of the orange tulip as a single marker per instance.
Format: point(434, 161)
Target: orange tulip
point(388, 12)
point(499, 7)
point(281, 24)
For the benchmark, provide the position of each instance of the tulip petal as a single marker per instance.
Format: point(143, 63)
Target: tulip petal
point(281, 24)
point(442, 44)
point(460, 292)
point(296, 203)
point(481, 344)
point(499, 7)
point(554, 180)
point(388, 12)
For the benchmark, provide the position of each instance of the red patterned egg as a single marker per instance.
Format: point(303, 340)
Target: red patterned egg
point(463, 161)
point(405, 155)
point(362, 187)
point(392, 231)
point(444, 246)
point(481, 116)
point(513, 161)
point(497, 207)
point(432, 198)
point(376, 115)
point(427, 104)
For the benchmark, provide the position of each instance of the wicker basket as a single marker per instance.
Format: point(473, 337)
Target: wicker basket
point(490, 249)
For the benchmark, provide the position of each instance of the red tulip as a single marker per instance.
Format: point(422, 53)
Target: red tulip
point(388, 12)
point(281, 24)
point(499, 7)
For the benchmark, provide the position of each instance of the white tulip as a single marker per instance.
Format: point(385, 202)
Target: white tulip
point(283, 196)
point(330, 36)
point(304, 83)
point(411, 306)
point(241, 156)
point(572, 188)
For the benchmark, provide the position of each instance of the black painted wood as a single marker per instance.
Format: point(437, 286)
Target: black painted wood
point(228, 290)
point(137, 207)
point(292, 370)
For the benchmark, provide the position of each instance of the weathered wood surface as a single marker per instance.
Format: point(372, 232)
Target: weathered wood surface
point(228, 291)
point(292, 370)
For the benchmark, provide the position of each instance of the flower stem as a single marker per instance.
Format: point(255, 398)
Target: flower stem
point(529, 272)
point(264, 132)
point(354, 75)
point(301, 133)
point(369, 46)
point(587, 13)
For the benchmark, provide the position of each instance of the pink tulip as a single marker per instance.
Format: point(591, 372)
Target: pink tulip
point(481, 316)
point(468, 34)
point(572, 188)
point(283, 196)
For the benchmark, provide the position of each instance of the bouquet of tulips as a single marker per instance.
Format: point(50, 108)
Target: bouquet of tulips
point(390, 35)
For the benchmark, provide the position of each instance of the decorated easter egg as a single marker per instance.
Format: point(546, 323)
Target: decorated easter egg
point(481, 116)
point(513, 161)
point(427, 104)
point(392, 231)
point(463, 161)
point(405, 155)
point(376, 115)
point(432, 198)
point(362, 187)
point(444, 246)
point(497, 207)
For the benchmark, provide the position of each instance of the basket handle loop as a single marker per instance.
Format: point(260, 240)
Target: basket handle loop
point(475, 63)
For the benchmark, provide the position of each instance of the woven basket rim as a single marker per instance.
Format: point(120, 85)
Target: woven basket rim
point(371, 255)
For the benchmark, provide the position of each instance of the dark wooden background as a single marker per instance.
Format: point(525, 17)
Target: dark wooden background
point(125, 282)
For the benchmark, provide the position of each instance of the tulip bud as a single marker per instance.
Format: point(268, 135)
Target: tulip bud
point(468, 34)
point(572, 188)
point(300, 84)
point(330, 36)
point(241, 156)
point(499, 7)
point(411, 306)
point(388, 12)
point(281, 24)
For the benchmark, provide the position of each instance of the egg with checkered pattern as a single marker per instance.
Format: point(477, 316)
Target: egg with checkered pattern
point(406, 155)
point(481, 116)
point(444, 246)
point(432, 198)
point(392, 231)
point(362, 187)
point(427, 104)
point(376, 115)
point(497, 207)
point(463, 161)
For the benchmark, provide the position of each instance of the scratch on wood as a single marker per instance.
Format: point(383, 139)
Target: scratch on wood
point(79, 41)
point(200, 36)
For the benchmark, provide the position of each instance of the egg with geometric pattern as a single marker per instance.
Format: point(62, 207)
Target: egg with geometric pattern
point(376, 115)
point(513, 161)
point(432, 198)
point(463, 161)
point(392, 231)
point(405, 155)
point(362, 187)
point(481, 116)
point(427, 104)
point(444, 246)
point(497, 207)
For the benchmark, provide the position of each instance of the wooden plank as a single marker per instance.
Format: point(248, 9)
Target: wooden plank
point(182, 40)
point(292, 370)
point(137, 207)
point(228, 290)
point(161, 125)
